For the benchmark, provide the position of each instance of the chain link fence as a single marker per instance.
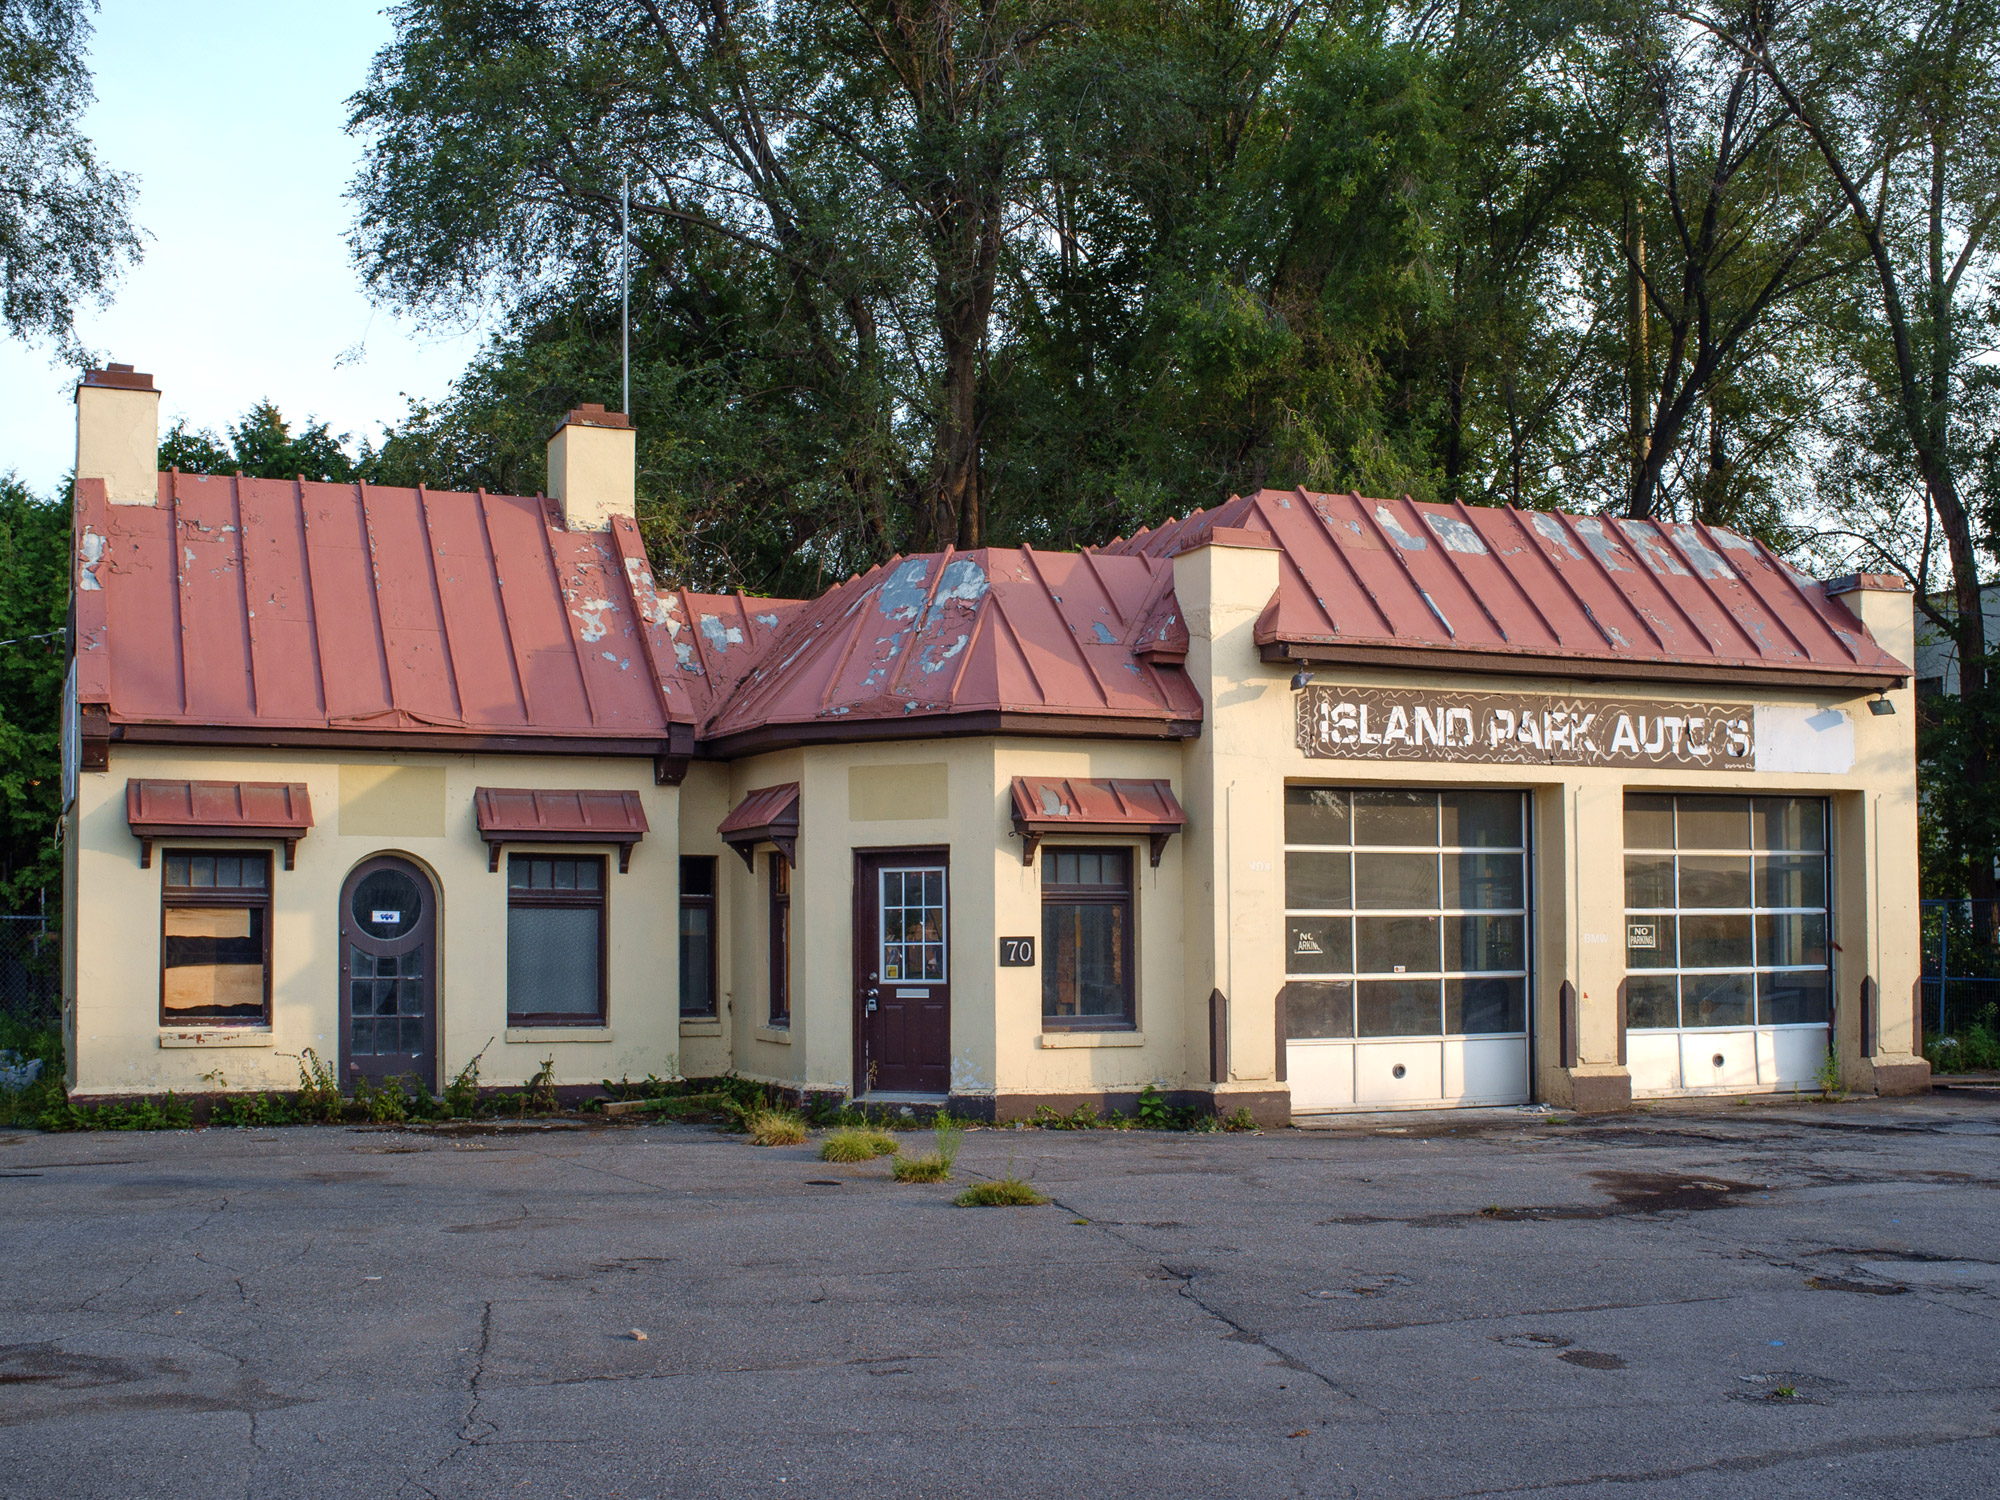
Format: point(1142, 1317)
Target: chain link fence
point(1961, 966)
point(30, 970)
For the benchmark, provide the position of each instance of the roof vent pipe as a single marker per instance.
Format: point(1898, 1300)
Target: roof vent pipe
point(593, 463)
point(118, 434)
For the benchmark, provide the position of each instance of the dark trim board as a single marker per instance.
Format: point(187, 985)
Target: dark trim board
point(947, 726)
point(676, 748)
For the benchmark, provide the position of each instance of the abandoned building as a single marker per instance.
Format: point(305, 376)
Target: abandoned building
point(1303, 803)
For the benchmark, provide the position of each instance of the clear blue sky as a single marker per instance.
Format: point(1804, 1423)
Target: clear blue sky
point(230, 114)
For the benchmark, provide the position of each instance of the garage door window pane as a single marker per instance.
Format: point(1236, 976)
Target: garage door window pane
point(1486, 882)
point(1386, 882)
point(1652, 1003)
point(1716, 942)
point(1314, 1012)
point(1315, 815)
point(1481, 820)
point(1791, 880)
point(1481, 1007)
point(1477, 943)
point(1790, 823)
point(1316, 882)
point(1716, 999)
point(1396, 817)
point(1651, 941)
point(1709, 881)
point(1649, 881)
point(1398, 1007)
point(1319, 945)
point(1712, 822)
point(1396, 945)
point(1794, 999)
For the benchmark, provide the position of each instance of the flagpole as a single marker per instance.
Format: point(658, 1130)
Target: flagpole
point(625, 284)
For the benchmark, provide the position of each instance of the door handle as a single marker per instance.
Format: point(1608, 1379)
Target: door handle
point(873, 997)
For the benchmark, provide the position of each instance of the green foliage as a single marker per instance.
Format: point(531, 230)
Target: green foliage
point(383, 1103)
point(857, 1143)
point(262, 446)
point(1976, 1049)
point(774, 1127)
point(168, 1113)
point(66, 229)
point(21, 1108)
point(935, 1165)
point(1008, 1191)
point(253, 1109)
point(461, 1095)
point(318, 1098)
point(34, 604)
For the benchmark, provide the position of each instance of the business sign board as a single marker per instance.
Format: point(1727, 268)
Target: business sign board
point(1524, 729)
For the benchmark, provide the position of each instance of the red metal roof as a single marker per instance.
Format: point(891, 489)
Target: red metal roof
point(517, 814)
point(217, 810)
point(1080, 804)
point(768, 815)
point(1397, 582)
point(277, 605)
point(969, 641)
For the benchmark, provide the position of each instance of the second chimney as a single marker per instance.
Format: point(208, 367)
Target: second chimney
point(593, 462)
point(118, 433)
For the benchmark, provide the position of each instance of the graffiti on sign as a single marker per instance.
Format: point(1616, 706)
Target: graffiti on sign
point(1339, 723)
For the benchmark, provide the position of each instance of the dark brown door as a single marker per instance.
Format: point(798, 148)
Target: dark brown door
point(388, 973)
point(902, 971)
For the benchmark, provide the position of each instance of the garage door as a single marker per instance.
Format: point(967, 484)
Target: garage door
point(1406, 948)
point(1727, 981)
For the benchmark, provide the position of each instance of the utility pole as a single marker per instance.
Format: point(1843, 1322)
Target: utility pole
point(625, 286)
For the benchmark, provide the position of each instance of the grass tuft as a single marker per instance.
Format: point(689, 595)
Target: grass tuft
point(774, 1127)
point(1002, 1192)
point(930, 1167)
point(857, 1143)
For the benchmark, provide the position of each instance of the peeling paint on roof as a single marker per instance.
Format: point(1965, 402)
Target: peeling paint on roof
point(901, 596)
point(1600, 542)
point(1409, 541)
point(1455, 534)
point(718, 635)
point(1707, 561)
point(1648, 545)
point(1104, 634)
point(91, 553)
point(1551, 530)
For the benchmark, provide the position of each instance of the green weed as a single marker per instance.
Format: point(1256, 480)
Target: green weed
point(774, 1127)
point(1001, 1192)
point(857, 1143)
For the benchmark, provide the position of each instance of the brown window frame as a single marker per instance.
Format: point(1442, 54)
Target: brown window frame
point(711, 1008)
point(182, 897)
point(1127, 896)
point(597, 900)
point(778, 1011)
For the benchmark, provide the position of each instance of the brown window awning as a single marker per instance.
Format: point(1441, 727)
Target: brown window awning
point(1083, 804)
point(509, 814)
point(217, 810)
point(769, 815)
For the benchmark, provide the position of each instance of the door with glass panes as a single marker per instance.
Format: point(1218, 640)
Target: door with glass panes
point(388, 974)
point(1728, 971)
point(1406, 947)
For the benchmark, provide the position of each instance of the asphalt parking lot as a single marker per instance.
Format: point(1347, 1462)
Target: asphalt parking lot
point(1770, 1301)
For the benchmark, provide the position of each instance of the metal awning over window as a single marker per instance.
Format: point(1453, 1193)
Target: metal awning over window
point(521, 815)
point(217, 810)
point(1082, 804)
point(769, 815)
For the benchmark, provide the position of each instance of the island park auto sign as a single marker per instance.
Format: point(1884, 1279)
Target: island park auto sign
point(1343, 723)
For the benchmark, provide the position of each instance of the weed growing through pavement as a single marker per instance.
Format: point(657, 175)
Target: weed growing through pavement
point(1828, 1076)
point(1002, 1192)
point(774, 1127)
point(934, 1165)
point(857, 1143)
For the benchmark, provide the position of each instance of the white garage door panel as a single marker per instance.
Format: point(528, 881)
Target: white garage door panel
point(1699, 1051)
point(1797, 1055)
point(1486, 1070)
point(1321, 1074)
point(1654, 1058)
point(1375, 1080)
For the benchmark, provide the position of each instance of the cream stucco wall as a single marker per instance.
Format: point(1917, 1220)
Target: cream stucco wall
point(113, 1001)
point(1247, 753)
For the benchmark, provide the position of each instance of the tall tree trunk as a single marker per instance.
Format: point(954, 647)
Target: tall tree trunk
point(1639, 369)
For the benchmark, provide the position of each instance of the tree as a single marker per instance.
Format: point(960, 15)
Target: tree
point(34, 605)
point(1901, 101)
point(66, 230)
point(261, 446)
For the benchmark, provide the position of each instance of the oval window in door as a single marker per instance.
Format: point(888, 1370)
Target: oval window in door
point(387, 904)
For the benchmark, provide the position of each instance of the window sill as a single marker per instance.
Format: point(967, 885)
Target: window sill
point(219, 1036)
point(782, 1035)
point(701, 1026)
point(560, 1034)
point(1092, 1039)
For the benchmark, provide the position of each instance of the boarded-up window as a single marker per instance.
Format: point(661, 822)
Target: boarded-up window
point(215, 938)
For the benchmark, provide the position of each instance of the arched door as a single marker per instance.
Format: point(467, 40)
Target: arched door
point(388, 973)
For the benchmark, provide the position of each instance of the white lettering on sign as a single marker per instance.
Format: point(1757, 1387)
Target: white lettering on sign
point(1642, 935)
point(1597, 937)
point(1342, 723)
point(385, 918)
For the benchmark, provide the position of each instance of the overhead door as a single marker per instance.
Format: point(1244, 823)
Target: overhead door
point(1728, 984)
point(1406, 947)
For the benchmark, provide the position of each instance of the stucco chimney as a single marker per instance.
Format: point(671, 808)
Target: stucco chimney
point(593, 462)
point(118, 433)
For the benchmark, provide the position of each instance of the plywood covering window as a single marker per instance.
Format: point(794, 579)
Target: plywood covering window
point(697, 935)
point(215, 938)
point(1087, 939)
point(555, 940)
point(781, 940)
